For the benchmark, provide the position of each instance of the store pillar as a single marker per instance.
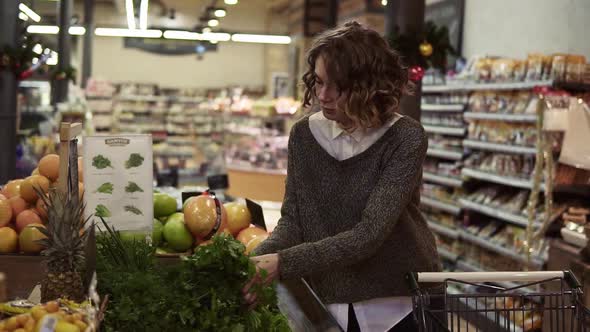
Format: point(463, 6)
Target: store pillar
point(409, 17)
point(88, 40)
point(64, 46)
point(8, 86)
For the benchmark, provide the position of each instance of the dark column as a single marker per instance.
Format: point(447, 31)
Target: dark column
point(64, 49)
point(409, 17)
point(8, 85)
point(88, 40)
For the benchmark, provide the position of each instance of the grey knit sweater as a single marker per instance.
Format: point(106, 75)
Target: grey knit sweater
point(353, 227)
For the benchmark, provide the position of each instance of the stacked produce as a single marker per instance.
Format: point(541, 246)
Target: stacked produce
point(200, 293)
point(21, 210)
point(203, 217)
point(55, 316)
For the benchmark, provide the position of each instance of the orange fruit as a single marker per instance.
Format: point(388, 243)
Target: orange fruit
point(18, 205)
point(35, 171)
point(52, 306)
point(28, 186)
point(255, 242)
point(246, 235)
point(8, 240)
point(3, 197)
point(12, 188)
point(238, 217)
point(25, 218)
point(5, 212)
point(27, 239)
point(49, 166)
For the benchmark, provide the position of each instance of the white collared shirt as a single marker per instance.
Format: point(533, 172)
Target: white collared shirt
point(379, 314)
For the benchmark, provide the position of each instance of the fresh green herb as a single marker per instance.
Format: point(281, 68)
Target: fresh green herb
point(133, 187)
point(105, 188)
point(101, 162)
point(133, 209)
point(102, 211)
point(135, 160)
point(200, 293)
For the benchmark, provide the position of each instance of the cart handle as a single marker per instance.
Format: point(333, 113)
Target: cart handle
point(516, 276)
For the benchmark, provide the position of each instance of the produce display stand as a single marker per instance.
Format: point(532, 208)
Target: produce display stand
point(257, 184)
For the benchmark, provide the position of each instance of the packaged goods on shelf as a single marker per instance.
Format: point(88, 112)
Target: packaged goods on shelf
point(513, 165)
point(438, 167)
point(445, 99)
point(502, 102)
point(444, 142)
point(443, 119)
point(520, 134)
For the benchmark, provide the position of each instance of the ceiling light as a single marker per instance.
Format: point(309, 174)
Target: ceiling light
point(220, 12)
point(29, 12)
point(231, 2)
point(218, 36)
point(23, 16)
point(178, 34)
point(35, 60)
point(143, 14)
point(77, 30)
point(213, 41)
point(130, 14)
point(265, 39)
point(47, 29)
point(38, 48)
point(384, 2)
point(207, 30)
point(213, 22)
point(117, 32)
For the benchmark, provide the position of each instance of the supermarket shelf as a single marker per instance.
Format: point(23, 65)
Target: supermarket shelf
point(257, 169)
point(574, 238)
point(444, 180)
point(442, 107)
point(443, 153)
point(499, 179)
point(444, 253)
point(440, 205)
point(454, 131)
point(496, 147)
point(466, 86)
point(443, 230)
point(573, 86)
point(484, 243)
point(500, 117)
point(496, 213)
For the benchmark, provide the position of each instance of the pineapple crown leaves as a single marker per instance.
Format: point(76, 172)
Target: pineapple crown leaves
point(65, 239)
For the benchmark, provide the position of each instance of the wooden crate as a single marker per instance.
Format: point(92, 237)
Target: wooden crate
point(22, 273)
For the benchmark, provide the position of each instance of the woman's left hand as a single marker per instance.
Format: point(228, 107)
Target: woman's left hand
point(269, 263)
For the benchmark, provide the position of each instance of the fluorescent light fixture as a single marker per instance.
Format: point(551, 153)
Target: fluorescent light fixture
point(213, 22)
point(264, 39)
point(218, 36)
point(220, 12)
point(143, 14)
point(231, 2)
point(52, 61)
point(23, 16)
point(384, 2)
point(130, 14)
point(77, 30)
point(38, 48)
point(207, 30)
point(46, 29)
point(178, 34)
point(35, 60)
point(213, 41)
point(29, 12)
point(117, 32)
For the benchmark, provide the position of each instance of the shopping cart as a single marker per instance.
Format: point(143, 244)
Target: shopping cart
point(499, 301)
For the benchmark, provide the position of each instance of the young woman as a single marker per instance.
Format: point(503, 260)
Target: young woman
point(350, 219)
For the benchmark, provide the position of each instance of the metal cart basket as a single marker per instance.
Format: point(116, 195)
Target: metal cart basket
point(499, 301)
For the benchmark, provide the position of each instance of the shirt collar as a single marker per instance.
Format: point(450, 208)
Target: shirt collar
point(357, 135)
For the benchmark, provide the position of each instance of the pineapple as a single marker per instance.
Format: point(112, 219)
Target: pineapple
point(64, 247)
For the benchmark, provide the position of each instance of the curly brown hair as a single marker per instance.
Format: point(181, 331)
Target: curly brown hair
point(361, 63)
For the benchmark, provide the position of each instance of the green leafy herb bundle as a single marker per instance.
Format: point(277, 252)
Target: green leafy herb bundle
point(201, 293)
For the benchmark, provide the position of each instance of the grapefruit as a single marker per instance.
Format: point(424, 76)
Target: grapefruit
point(5, 212)
point(25, 218)
point(18, 205)
point(49, 166)
point(177, 235)
point(28, 237)
point(8, 240)
point(164, 205)
point(255, 242)
point(12, 188)
point(246, 235)
point(35, 171)
point(28, 186)
point(3, 197)
point(238, 217)
point(200, 216)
